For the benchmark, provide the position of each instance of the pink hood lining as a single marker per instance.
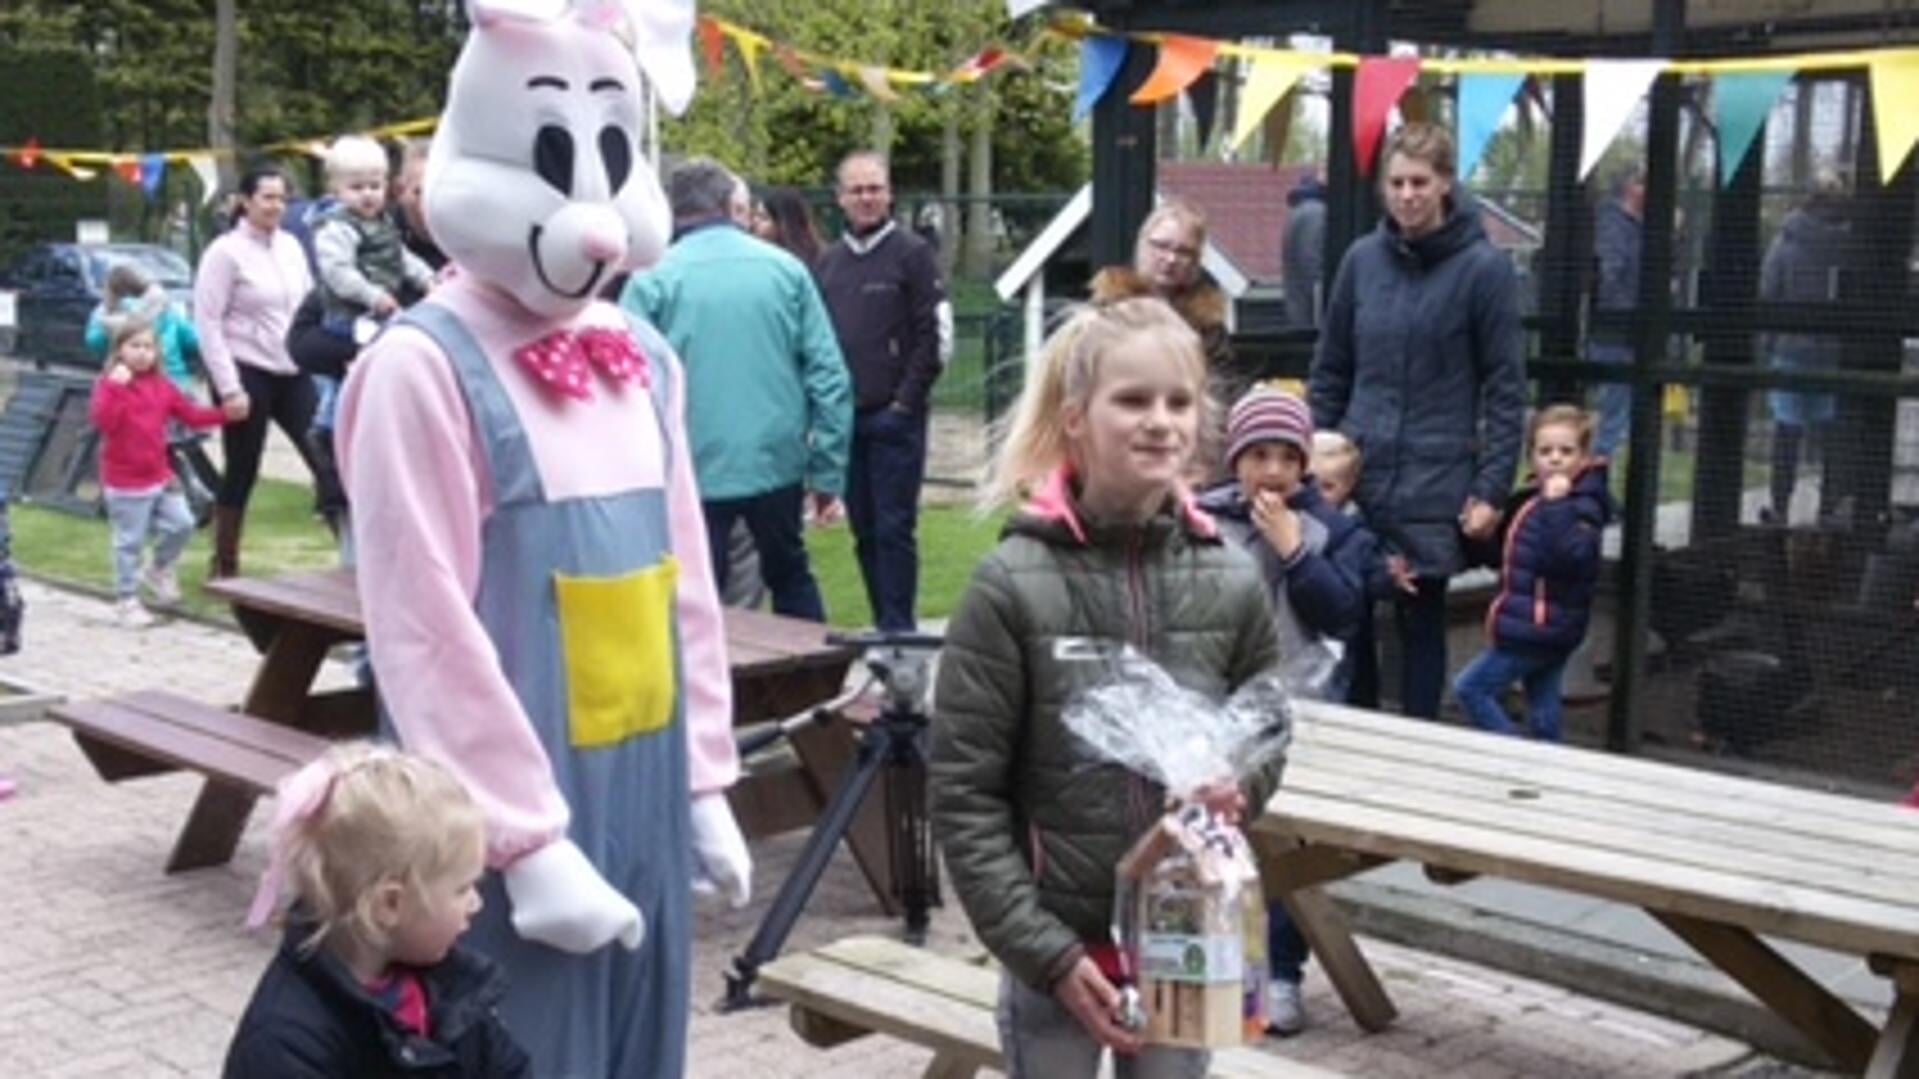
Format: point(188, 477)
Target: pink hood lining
point(1053, 501)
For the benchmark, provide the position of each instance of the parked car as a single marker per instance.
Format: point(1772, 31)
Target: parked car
point(57, 285)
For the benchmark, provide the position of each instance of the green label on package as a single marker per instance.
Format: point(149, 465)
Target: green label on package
point(1189, 957)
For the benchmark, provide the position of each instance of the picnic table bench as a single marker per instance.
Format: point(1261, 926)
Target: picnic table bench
point(779, 666)
point(1718, 860)
point(866, 985)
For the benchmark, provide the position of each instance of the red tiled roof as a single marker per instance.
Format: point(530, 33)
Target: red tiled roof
point(1245, 207)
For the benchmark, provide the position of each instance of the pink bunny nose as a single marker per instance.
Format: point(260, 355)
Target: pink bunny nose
point(601, 247)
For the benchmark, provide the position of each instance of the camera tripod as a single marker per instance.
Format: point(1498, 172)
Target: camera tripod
point(889, 745)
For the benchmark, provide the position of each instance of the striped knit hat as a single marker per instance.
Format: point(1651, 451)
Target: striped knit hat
point(1266, 414)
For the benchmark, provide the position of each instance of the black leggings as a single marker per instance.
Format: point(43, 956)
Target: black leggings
point(287, 400)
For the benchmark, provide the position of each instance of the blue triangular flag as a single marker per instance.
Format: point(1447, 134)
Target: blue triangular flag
point(153, 169)
point(1483, 100)
point(1100, 59)
point(1741, 100)
point(835, 85)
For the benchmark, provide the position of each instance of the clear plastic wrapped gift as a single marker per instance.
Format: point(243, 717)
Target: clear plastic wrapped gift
point(1189, 914)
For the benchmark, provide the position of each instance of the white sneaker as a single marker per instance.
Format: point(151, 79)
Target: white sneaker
point(1285, 1011)
point(163, 585)
point(131, 614)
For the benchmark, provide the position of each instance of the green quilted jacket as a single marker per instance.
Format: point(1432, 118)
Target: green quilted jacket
point(1031, 824)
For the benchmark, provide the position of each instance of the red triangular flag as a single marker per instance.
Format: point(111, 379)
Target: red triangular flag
point(791, 62)
point(1378, 86)
point(1181, 60)
point(29, 155)
point(713, 46)
point(128, 168)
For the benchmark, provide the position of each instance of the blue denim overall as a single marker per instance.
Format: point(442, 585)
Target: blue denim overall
point(578, 598)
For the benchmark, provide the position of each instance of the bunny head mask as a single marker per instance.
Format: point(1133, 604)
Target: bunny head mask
point(535, 182)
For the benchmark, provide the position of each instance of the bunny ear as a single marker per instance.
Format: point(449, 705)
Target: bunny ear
point(489, 12)
point(662, 41)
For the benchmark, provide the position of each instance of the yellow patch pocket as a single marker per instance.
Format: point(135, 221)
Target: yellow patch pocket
point(616, 635)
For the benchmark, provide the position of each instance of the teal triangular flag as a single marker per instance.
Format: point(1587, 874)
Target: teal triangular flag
point(1483, 99)
point(1741, 100)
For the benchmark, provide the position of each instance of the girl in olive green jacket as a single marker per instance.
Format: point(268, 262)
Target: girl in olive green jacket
point(1108, 551)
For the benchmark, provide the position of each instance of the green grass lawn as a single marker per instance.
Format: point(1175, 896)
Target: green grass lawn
point(283, 535)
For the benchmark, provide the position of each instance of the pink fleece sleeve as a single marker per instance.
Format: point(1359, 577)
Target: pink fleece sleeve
point(212, 293)
point(713, 762)
point(418, 486)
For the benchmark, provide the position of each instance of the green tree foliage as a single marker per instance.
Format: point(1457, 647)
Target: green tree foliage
point(784, 133)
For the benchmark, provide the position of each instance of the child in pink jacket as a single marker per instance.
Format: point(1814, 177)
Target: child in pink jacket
point(132, 403)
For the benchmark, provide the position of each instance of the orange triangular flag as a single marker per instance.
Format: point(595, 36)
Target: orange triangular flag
point(30, 153)
point(1181, 60)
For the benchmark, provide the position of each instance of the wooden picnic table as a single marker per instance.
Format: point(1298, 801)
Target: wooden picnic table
point(780, 667)
point(1719, 860)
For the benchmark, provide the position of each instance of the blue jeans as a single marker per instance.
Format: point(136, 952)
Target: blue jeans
point(1615, 400)
point(1286, 950)
point(1481, 685)
point(883, 481)
point(776, 520)
point(1422, 648)
point(326, 397)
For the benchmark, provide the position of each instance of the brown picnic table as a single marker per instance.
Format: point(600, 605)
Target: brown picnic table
point(780, 667)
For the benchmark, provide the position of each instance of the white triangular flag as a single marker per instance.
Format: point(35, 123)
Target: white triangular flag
point(203, 167)
point(1613, 90)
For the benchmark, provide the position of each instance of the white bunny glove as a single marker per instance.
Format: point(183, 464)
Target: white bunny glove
point(720, 861)
point(560, 900)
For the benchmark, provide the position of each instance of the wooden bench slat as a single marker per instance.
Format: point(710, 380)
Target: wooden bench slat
point(184, 747)
point(1676, 791)
point(1741, 826)
point(1857, 926)
point(294, 747)
point(1691, 788)
point(1554, 817)
point(854, 996)
point(890, 985)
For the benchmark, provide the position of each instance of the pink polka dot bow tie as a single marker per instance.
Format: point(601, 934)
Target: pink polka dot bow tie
point(563, 360)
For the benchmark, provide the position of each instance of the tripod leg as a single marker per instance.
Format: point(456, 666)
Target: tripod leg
point(915, 870)
point(798, 888)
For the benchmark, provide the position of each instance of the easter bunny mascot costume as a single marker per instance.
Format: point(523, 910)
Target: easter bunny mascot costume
point(533, 564)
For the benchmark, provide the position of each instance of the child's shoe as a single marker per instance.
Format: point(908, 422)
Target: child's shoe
point(1285, 1011)
point(131, 614)
point(163, 584)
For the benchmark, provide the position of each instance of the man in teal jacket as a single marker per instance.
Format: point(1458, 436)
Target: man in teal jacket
point(769, 404)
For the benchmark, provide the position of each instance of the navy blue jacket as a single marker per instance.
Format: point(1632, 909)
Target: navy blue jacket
point(309, 1019)
point(1329, 586)
point(1421, 363)
point(1549, 569)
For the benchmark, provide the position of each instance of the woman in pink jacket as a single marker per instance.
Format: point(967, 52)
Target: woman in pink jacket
point(250, 282)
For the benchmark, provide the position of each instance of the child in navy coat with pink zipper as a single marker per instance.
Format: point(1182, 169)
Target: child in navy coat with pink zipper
point(1548, 575)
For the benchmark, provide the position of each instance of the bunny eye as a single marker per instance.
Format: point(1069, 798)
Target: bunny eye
point(617, 153)
point(553, 158)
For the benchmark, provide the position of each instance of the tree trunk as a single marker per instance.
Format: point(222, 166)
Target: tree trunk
point(1802, 135)
point(951, 153)
point(882, 141)
point(220, 110)
point(977, 261)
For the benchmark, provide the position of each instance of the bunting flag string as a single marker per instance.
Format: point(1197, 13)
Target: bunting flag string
point(1745, 90)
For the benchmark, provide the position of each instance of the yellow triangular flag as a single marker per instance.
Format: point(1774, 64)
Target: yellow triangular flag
point(1895, 108)
point(874, 79)
point(1272, 74)
point(69, 165)
point(749, 46)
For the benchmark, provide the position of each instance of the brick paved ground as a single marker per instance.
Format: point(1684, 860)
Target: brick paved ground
point(110, 968)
